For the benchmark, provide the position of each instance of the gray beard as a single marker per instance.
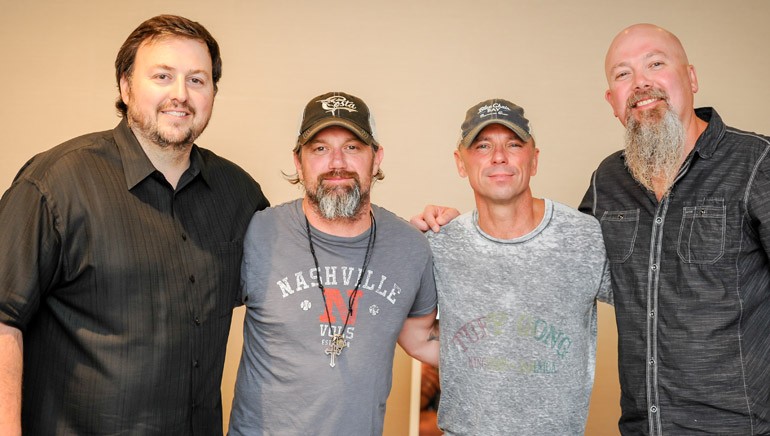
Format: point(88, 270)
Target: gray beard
point(654, 148)
point(338, 202)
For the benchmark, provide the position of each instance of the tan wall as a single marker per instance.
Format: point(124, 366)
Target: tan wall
point(419, 64)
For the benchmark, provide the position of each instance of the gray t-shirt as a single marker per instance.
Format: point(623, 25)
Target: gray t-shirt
point(518, 324)
point(285, 385)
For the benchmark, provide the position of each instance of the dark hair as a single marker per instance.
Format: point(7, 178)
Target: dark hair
point(159, 27)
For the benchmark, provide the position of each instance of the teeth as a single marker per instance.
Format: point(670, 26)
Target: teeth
point(644, 102)
point(175, 113)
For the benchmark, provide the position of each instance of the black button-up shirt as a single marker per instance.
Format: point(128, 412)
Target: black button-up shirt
point(691, 283)
point(122, 286)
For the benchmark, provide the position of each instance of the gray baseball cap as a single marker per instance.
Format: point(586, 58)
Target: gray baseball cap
point(494, 111)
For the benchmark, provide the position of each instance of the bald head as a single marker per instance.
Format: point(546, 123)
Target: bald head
point(647, 67)
point(653, 37)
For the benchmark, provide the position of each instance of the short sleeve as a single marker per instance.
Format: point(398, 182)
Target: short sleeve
point(30, 259)
point(426, 299)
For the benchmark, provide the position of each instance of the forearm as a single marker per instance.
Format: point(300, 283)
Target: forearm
point(419, 338)
point(11, 363)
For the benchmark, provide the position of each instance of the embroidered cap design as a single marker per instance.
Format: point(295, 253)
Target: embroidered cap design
point(494, 109)
point(337, 102)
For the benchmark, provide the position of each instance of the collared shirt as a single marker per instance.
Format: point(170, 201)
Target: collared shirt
point(122, 286)
point(691, 283)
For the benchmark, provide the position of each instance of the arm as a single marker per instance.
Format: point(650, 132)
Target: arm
point(419, 338)
point(433, 217)
point(11, 357)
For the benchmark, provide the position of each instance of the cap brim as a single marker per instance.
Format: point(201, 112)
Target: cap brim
point(468, 139)
point(308, 134)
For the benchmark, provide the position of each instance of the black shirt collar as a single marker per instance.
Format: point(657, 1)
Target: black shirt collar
point(137, 166)
point(707, 143)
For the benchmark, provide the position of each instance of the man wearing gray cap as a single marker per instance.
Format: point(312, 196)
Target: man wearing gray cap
point(517, 279)
point(331, 282)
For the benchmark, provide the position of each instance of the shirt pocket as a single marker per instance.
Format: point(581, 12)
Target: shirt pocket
point(702, 233)
point(619, 228)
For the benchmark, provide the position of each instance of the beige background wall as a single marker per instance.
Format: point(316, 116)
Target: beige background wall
point(419, 65)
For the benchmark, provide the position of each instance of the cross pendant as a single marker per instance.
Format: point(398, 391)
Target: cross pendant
point(335, 349)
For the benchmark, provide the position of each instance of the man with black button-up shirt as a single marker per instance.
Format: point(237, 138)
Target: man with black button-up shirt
point(121, 258)
point(684, 211)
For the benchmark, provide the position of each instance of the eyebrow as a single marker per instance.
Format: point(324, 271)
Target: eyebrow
point(514, 137)
point(353, 138)
point(170, 68)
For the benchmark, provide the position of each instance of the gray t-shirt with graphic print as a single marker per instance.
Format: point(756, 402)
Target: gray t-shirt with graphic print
point(518, 324)
point(285, 383)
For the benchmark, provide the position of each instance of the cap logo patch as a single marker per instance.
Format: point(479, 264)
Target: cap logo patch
point(493, 109)
point(337, 102)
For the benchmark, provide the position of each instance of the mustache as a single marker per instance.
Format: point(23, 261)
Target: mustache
point(338, 174)
point(176, 105)
point(638, 96)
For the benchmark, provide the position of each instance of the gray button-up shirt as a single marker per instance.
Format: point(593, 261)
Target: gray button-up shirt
point(691, 284)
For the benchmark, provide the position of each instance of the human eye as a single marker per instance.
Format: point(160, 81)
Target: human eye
point(656, 64)
point(620, 75)
point(198, 80)
point(162, 76)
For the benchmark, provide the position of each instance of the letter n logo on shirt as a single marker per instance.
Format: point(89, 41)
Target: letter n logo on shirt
point(334, 301)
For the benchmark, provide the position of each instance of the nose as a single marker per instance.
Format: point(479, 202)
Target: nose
point(337, 160)
point(499, 154)
point(641, 81)
point(179, 90)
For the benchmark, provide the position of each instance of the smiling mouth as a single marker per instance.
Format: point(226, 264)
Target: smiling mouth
point(175, 113)
point(649, 97)
point(645, 102)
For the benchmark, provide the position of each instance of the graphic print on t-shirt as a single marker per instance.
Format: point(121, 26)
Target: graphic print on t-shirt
point(339, 283)
point(476, 339)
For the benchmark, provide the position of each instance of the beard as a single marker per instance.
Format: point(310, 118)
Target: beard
point(654, 145)
point(339, 201)
point(149, 128)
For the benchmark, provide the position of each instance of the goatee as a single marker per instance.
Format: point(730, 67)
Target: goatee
point(654, 147)
point(338, 202)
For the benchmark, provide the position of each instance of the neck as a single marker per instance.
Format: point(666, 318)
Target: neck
point(509, 221)
point(171, 161)
point(694, 127)
point(344, 227)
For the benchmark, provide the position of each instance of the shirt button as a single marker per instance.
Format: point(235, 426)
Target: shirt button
point(653, 409)
point(184, 237)
point(195, 363)
point(658, 220)
point(652, 361)
point(654, 267)
point(192, 279)
point(197, 321)
point(652, 314)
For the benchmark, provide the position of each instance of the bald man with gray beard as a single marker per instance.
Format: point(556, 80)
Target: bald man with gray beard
point(683, 211)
